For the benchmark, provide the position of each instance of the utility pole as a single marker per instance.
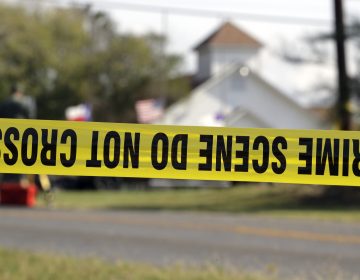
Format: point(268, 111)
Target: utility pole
point(343, 114)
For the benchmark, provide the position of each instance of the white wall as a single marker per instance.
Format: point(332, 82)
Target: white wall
point(212, 60)
point(222, 57)
point(266, 106)
point(246, 121)
point(271, 106)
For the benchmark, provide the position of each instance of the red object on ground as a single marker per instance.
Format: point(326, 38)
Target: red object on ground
point(11, 193)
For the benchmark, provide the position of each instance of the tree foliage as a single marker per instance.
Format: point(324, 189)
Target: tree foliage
point(67, 56)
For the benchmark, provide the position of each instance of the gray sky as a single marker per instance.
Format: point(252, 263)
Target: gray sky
point(185, 31)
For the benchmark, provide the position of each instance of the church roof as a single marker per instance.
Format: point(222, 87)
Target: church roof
point(229, 35)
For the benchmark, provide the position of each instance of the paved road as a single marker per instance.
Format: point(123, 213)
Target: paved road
point(252, 243)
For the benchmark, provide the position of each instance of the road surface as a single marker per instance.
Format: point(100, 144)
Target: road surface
point(306, 249)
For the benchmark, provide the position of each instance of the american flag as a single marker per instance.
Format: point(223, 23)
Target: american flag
point(149, 110)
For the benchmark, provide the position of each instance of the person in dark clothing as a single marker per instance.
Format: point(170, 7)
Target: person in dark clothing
point(17, 106)
point(20, 106)
point(13, 108)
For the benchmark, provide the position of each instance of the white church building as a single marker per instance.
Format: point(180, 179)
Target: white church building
point(241, 85)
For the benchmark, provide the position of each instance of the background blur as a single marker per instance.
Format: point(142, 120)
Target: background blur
point(235, 63)
point(112, 54)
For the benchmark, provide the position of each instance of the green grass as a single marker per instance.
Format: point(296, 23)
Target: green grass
point(277, 200)
point(25, 265)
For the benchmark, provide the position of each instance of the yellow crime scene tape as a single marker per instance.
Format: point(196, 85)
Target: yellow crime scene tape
point(179, 152)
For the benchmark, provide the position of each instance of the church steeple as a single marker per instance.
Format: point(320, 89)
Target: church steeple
point(225, 46)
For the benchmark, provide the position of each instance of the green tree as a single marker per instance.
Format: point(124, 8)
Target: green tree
point(67, 56)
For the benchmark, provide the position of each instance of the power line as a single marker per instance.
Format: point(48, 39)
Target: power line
point(196, 12)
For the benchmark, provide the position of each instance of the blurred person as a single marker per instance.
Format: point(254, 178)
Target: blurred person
point(15, 106)
point(20, 106)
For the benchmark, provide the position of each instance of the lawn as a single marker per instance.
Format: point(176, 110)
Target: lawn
point(26, 265)
point(283, 200)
